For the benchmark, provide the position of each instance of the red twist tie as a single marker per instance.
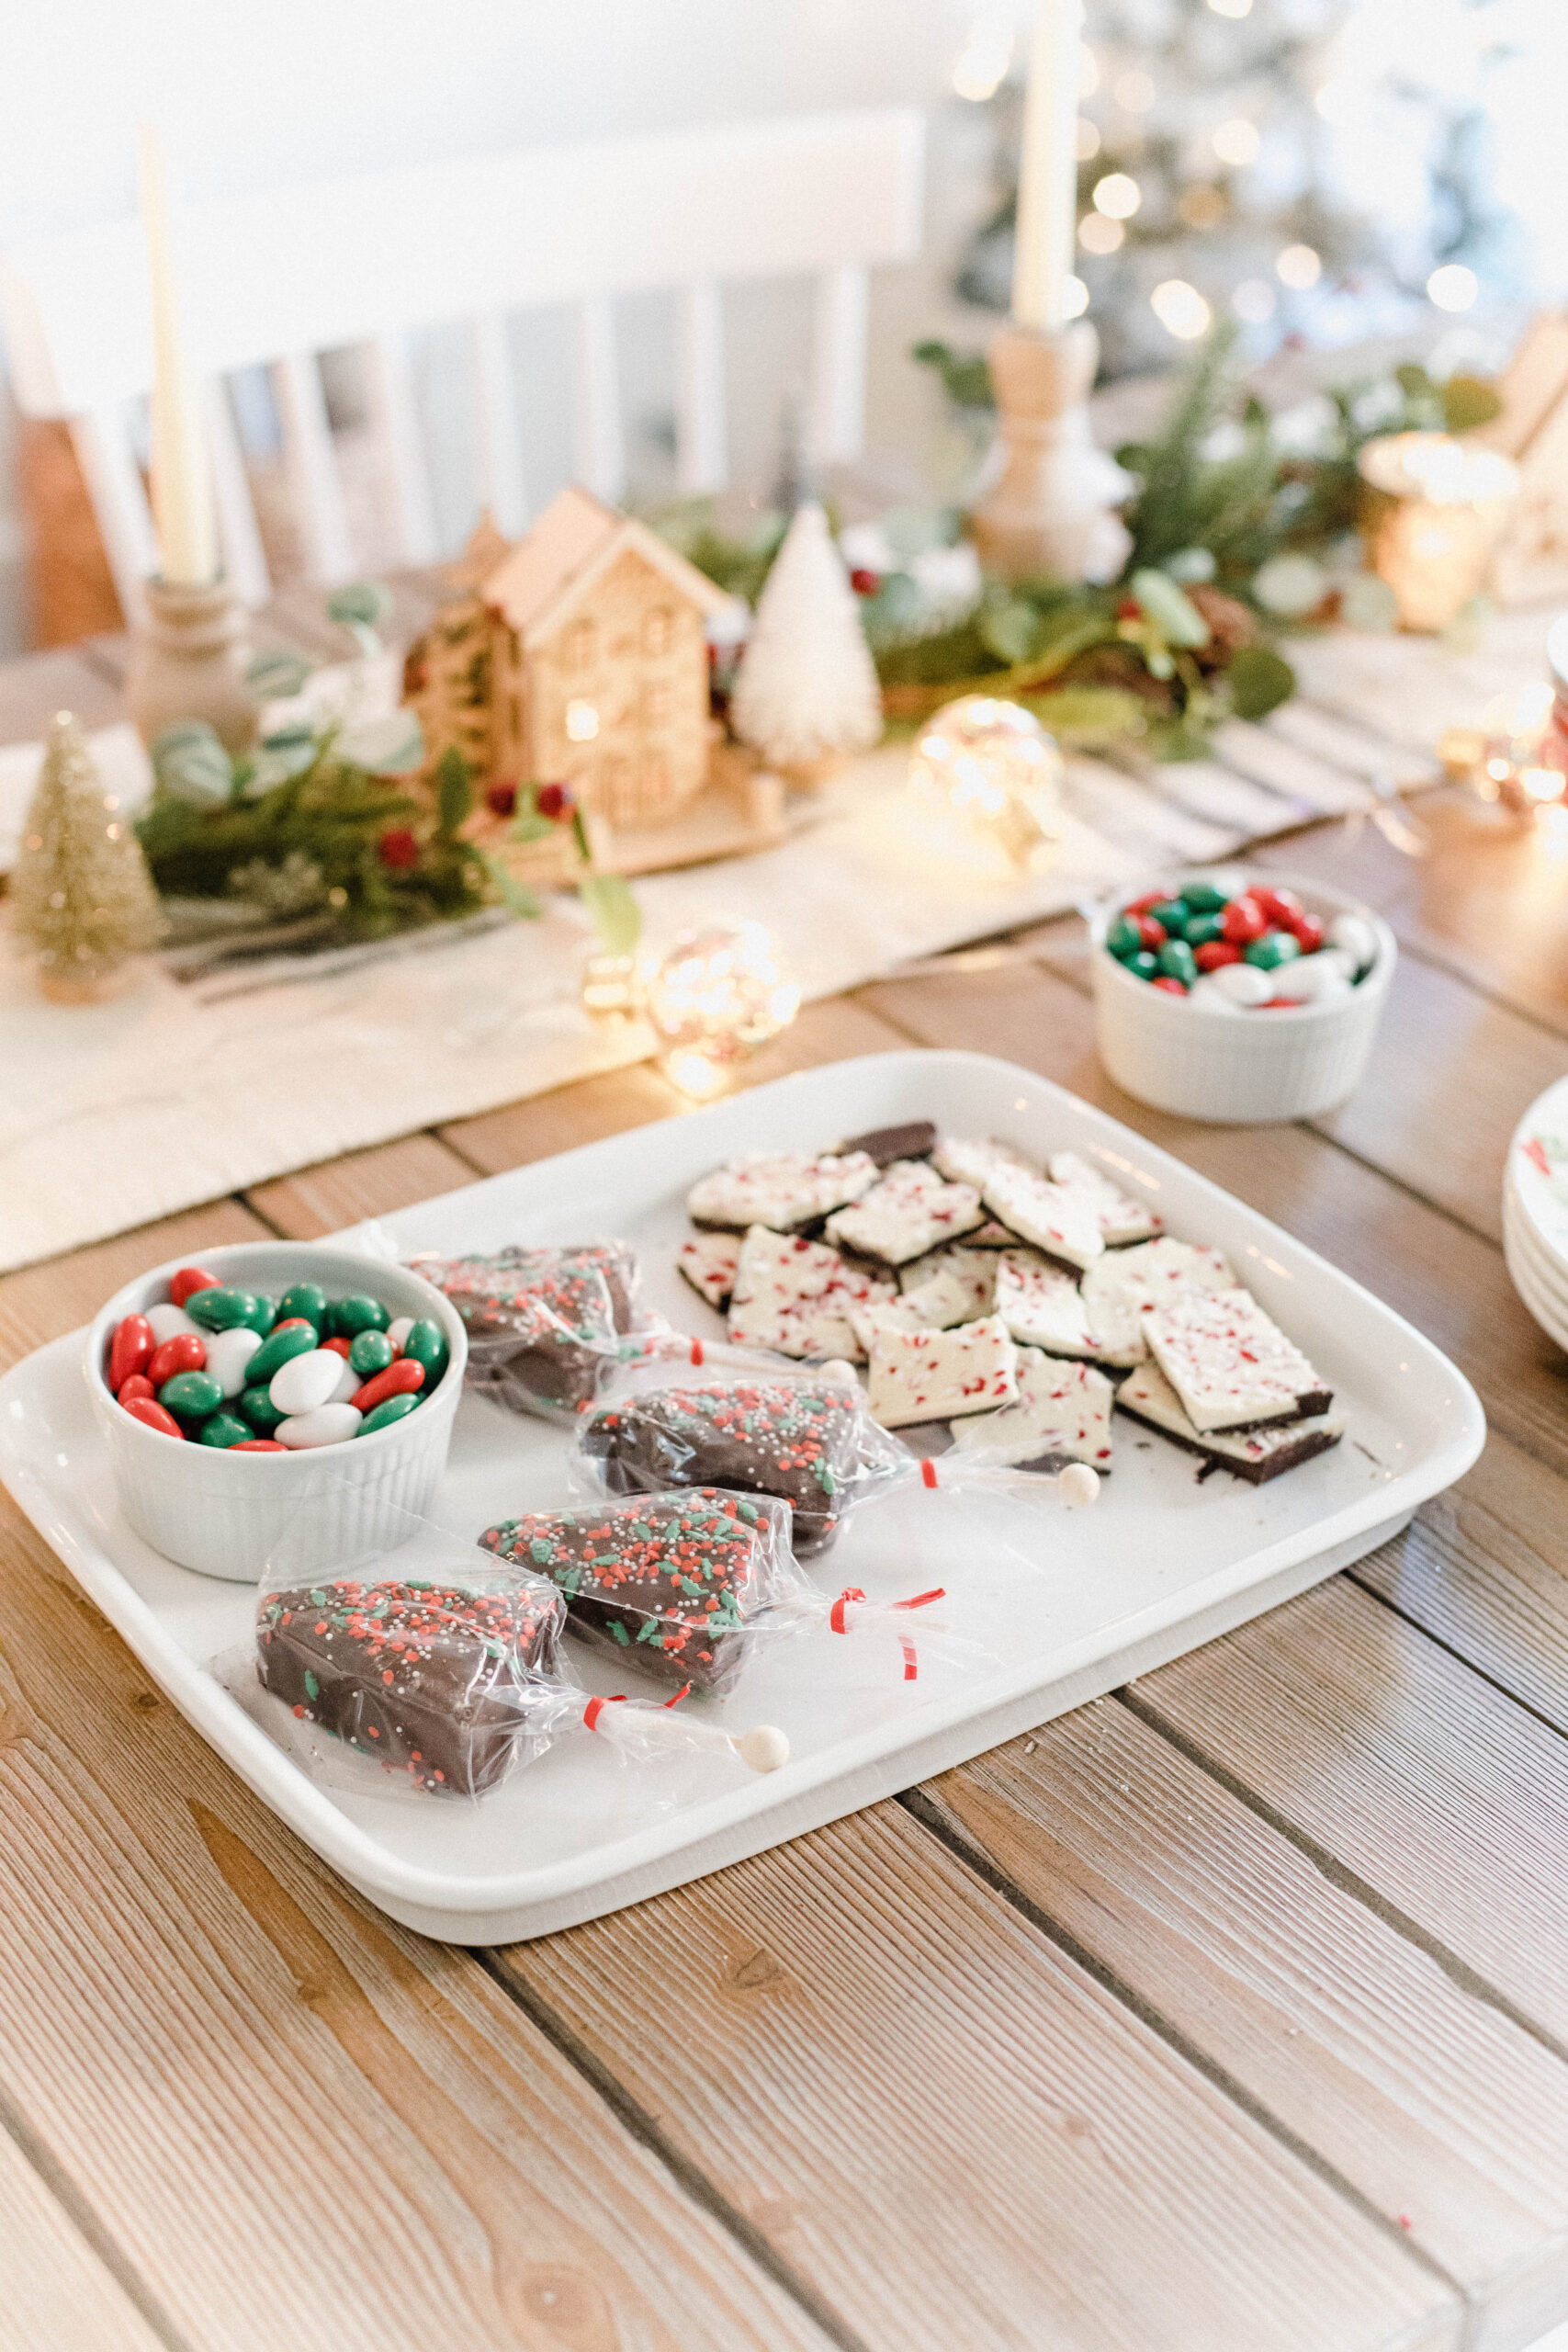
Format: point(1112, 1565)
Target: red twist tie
point(928, 1472)
point(679, 1695)
point(595, 1708)
point(911, 1665)
point(836, 1614)
point(697, 1352)
point(923, 1600)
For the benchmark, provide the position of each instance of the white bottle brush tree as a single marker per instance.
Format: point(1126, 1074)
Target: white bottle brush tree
point(808, 689)
point(81, 894)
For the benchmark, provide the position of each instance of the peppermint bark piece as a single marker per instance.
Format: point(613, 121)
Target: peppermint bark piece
point(908, 1213)
point(1056, 1220)
point(709, 1263)
point(1125, 1285)
point(1063, 1414)
point(1256, 1455)
point(795, 1296)
point(941, 1375)
point(1230, 1365)
point(1122, 1218)
point(950, 1285)
point(970, 1159)
point(1043, 1307)
point(783, 1189)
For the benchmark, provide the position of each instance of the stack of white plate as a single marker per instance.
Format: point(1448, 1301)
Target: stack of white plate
point(1535, 1211)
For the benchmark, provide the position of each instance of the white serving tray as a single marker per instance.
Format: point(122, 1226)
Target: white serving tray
point(1160, 1565)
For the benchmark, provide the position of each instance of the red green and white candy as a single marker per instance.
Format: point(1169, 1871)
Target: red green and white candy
point(220, 1366)
point(1229, 949)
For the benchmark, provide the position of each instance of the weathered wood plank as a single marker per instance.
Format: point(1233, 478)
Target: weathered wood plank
point(367, 1183)
point(308, 2126)
point(1447, 2117)
point(40, 1302)
point(933, 2110)
point(1433, 1788)
point(1450, 1282)
point(60, 2295)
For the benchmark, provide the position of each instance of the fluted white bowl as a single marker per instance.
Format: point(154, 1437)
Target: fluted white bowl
point(1249, 1068)
point(224, 1513)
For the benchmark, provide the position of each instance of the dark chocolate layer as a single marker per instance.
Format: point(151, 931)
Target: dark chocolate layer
point(540, 1321)
point(1257, 1473)
point(915, 1140)
point(794, 1440)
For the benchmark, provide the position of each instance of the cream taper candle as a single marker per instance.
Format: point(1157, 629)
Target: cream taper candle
point(182, 484)
point(1048, 171)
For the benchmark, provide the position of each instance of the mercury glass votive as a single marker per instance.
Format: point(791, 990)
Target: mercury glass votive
point(989, 770)
point(1433, 509)
point(714, 996)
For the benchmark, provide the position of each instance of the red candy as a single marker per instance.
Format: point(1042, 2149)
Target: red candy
point(1216, 952)
point(190, 1278)
point(256, 1445)
point(333, 1347)
point(1308, 930)
point(1151, 935)
point(1140, 906)
point(147, 1410)
point(289, 1323)
point(1171, 984)
point(129, 1350)
point(399, 1379)
point(1243, 921)
point(1281, 906)
point(137, 1386)
point(186, 1351)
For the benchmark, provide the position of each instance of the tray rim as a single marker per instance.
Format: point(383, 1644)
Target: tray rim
point(724, 1828)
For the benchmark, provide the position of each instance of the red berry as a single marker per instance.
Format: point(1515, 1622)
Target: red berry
point(1243, 921)
point(186, 1351)
point(1281, 906)
point(399, 1379)
point(137, 1386)
point(864, 582)
point(1309, 933)
point(336, 1347)
point(1151, 934)
point(398, 849)
point(1216, 952)
point(129, 1349)
point(554, 802)
point(190, 1278)
point(1171, 984)
point(257, 1446)
point(147, 1410)
point(501, 799)
point(1129, 609)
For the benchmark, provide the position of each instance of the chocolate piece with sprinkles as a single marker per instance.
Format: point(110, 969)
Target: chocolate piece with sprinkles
point(803, 1441)
point(432, 1679)
point(669, 1582)
point(540, 1321)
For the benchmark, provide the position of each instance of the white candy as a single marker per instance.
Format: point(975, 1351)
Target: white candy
point(1337, 959)
point(326, 1425)
point(764, 1748)
point(307, 1381)
point(1355, 935)
point(1208, 998)
point(1298, 983)
point(227, 1353)
point(398, 1331)
point(1244, 983)
point(168, 1322)
point(349, 1382)
point(1078, 1483)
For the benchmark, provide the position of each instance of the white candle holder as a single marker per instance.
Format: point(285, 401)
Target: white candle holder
point(187, 660)
point(1048, 514)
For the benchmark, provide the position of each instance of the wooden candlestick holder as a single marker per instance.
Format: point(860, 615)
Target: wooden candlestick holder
point(187, 660)
point(1041, 517)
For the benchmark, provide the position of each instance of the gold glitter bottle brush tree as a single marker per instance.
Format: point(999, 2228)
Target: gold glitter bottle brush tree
point(81, 895)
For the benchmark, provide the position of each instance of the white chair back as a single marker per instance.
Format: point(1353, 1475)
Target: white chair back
point(279, 278)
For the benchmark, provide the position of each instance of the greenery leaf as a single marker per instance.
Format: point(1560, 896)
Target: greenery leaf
point(1011, 631)
point(965, 374)
point(389, 744)
point(511, 893)
point(1083, 715)
point(363, 602)
point(1171, 610)
point(454, 789)
point(191, 764)
point(1470, 401)
point(530, 826)
point(275, 676)
point(616, 917)
point(1260, 680)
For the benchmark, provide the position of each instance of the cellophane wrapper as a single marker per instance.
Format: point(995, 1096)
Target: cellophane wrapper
point(677, 1412)
point(542, 1319)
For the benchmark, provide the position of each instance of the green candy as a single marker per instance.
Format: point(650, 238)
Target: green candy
point(277, 1351)
point(263, 1316)
point(1203, 898)
point(356, 1313)
point(190, 1396)
point(1200, 928)
point(1171, 914)
point(221, 1310)
point(382, 1416)
point(1145, 963)
point(1175, 961)
point(224, 1429)
point(259, 1409)
point(1123, 938)
point(372, 1351)
point(425, 1345)
point(307, 1299)
point(1275, 947)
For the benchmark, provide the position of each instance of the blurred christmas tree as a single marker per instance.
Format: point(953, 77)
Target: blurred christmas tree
point(81, 895)
point(1213, 177)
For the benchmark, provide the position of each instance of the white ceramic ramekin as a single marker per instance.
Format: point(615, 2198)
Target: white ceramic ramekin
point(1249, 1068)
point(223, 1514)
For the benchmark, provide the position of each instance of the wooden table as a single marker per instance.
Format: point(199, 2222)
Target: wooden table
point(1229, 2014)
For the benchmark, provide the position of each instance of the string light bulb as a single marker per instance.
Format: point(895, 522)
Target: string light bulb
point(1098, 235)
point(1235, 142)
point(1118, 196)
point(1180, 309)
point(1298, 267)
point(718, 993)
point(1452, 288)
point(987, 772)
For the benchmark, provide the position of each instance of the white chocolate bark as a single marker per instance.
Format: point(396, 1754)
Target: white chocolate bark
point(1062, 1409)
point(939, 1375)
point(795, 1296)
point(782, 1190)
point(1041, 1306)
point(1148, 1395)
point(1122, 1218)
point(968, 1159)
point(1228, 1362)
point(1121, 1288)
point(1060, 1222)
point(950, 1285)
point(910, 1212)
point(708, 1262)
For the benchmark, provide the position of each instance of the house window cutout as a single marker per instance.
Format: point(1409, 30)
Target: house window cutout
point(657, 630)
point(580, 641)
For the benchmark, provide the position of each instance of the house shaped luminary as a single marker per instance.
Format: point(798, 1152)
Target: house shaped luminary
point(578, 656)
